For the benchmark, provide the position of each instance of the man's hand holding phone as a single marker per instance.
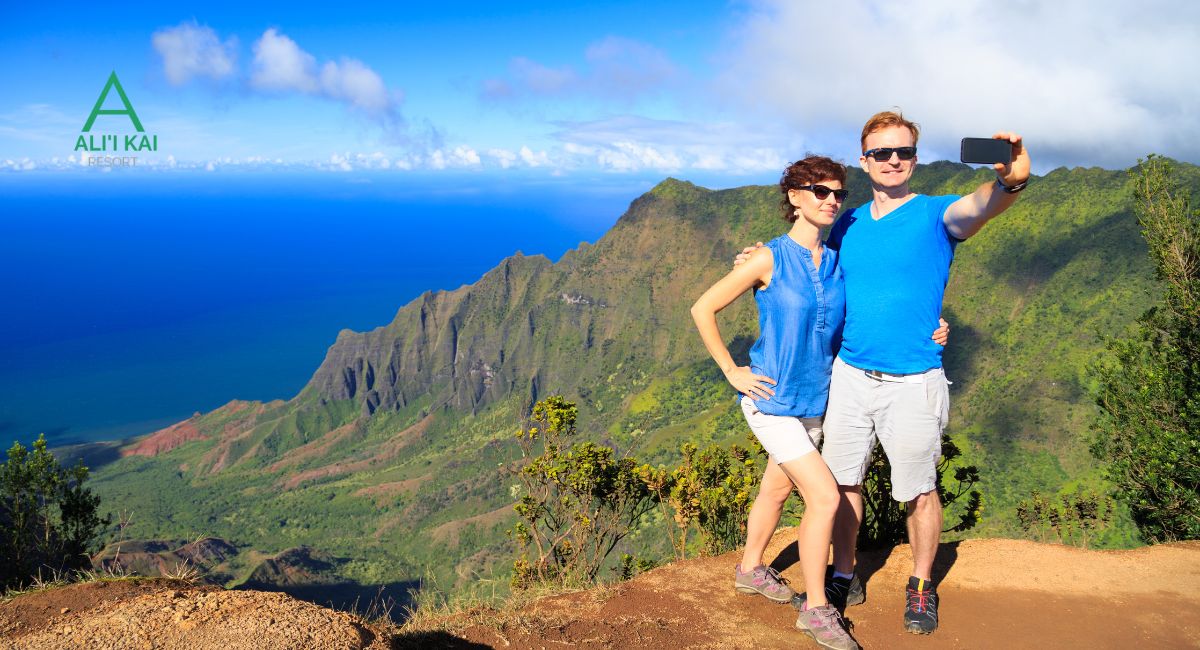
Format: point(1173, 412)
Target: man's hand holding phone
point(1004, 151)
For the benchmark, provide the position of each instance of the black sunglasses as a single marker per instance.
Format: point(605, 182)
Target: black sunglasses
point(884, 154)
point(822, 192)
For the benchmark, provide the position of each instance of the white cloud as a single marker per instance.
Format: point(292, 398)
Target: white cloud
point(539, 159)
point(353, 82)
point(504, 157)
point(632, 143)
point(1085, 82)
point(189, 50)
point(280, 64)
point(460, 156)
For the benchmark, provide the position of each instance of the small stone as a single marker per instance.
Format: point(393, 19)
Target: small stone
point(64, 610)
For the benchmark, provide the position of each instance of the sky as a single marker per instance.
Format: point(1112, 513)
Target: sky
point(722, 93)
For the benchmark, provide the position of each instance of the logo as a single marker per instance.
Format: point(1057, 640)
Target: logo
point(114, 142)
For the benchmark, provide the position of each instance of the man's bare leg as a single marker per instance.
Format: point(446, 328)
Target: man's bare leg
point(924, 522)
point(845, 527)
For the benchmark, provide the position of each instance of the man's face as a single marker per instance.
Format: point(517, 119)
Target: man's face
point(892, 172)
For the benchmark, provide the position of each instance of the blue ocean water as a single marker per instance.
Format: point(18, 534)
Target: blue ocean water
point(132, 301)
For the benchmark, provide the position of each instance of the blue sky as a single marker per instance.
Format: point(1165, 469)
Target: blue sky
point(716, 91)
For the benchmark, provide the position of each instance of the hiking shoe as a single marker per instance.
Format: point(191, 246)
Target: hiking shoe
point(763, 580)
point(921, 615)
point(824, 624)
point(845, 592)
point(841, 592)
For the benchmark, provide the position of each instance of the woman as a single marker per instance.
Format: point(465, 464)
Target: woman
point(798, 287)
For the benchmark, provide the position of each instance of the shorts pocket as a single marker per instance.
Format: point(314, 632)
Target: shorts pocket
point(937, 398)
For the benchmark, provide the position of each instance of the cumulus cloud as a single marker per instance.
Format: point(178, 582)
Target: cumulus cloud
point(631, 143)
point(1085, 82)
point(190, 50)
point(280, 65)
point(503, 157)
point(616, 67)
point(460, 156)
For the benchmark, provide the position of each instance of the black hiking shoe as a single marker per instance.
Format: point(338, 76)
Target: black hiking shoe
point(921, 614)
point(845, 592)
point(840, 592)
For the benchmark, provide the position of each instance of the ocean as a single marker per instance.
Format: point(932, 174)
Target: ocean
point(132, 300)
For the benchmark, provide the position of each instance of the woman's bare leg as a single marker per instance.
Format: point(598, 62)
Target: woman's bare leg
point(821, 498)
point(773, 492)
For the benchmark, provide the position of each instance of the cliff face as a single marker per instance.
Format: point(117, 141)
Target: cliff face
point(529, 325)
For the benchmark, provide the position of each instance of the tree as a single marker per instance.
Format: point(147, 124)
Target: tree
point(48, 519)
point(1148, 429)
point(578, 502)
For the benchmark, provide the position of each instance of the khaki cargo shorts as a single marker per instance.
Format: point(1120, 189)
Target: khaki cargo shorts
point(907, 413)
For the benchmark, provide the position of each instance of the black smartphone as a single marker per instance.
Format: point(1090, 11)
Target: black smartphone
point(985, 151)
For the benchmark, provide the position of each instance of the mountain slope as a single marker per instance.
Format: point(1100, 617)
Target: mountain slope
point(406, 429)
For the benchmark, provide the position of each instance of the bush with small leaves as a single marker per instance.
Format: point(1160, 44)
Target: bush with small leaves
point(48, 520)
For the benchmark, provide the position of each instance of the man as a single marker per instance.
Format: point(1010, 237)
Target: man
point(887, 382)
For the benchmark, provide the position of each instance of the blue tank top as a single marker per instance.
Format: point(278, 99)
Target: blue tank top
point(800, 317)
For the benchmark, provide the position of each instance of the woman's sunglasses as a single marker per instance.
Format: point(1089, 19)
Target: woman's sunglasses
point(822, 192)
point(884, 154)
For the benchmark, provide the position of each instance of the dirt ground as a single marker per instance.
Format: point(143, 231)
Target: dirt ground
point(159, 614)
point(995, 594)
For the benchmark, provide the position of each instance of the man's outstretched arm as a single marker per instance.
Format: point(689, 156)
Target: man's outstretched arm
point(968, 215)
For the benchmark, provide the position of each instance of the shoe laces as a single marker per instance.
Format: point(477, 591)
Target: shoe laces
point(832, 617)
point(918, 599)
point(771, 573)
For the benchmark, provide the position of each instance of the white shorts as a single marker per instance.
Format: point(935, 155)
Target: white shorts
point(783, 436)
point(907, 413)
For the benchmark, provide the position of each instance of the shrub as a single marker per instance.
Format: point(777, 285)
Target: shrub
point(1148, 429)
point(578, 502)
point(48, 519)
point(883, 524)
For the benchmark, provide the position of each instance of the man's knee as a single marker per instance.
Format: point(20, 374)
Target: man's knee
point(924, 502)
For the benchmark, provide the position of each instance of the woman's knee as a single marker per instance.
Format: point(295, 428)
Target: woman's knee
point(822, 498)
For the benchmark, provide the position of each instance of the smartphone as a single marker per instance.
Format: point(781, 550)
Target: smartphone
point(985, 151)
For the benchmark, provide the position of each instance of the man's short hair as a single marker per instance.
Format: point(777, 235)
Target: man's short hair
point(884, 120)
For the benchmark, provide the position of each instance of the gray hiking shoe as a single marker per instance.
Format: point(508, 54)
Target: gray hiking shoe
point(842, 592)
point(824, 624)
point(765, 581)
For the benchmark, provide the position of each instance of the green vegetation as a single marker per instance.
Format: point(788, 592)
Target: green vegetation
point(1072, 520)
point(712, 491)
point(577, 504)
point(397, 456)
point(1148, 431)
point(884, 519)
point(49, 522)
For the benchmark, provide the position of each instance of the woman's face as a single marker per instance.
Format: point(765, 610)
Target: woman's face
point(820, 212)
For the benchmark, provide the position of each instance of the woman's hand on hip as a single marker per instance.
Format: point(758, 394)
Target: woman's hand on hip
point(750, 384)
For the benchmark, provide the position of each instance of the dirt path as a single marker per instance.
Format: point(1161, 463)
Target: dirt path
point(995, 594)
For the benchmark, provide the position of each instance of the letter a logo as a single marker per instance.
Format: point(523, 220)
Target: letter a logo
point(113, 83)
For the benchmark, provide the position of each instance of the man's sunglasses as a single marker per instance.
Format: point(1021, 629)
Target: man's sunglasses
point(884, 154)
point(822, 192)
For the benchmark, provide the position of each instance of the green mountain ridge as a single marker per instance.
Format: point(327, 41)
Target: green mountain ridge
point(394, 455)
